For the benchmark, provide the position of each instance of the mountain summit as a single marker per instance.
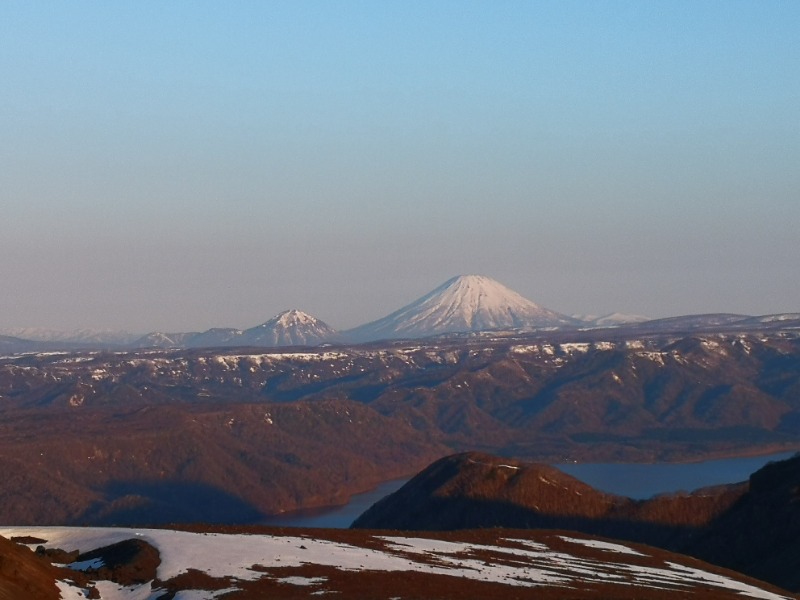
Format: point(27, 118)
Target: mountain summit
point(462, 304)
point(290, 328)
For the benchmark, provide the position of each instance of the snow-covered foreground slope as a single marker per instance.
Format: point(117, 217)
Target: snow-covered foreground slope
point(349, 564)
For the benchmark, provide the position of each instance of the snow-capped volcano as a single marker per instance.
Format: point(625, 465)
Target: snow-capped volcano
point(289, 328)
point(461, 304)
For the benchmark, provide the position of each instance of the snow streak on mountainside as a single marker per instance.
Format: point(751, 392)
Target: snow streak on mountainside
point(158, 339)
point(290, 328)
point(464, 303)
point(613, 320)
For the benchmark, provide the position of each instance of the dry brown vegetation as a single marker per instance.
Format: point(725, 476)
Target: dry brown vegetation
point(205, 463)
point(481, 547)
point(751, 527)
point(130, 437)
point(24, 575)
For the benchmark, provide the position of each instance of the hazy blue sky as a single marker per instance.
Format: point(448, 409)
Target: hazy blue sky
point(185, 165)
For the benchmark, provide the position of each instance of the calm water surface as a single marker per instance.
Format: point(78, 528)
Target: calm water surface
point(634, 480)
point(637, 480)
point(338, 517)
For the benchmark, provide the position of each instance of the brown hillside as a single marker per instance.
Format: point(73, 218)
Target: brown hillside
point(760, 533)
point(474, 490)
point(753, 528)
point(24, 575)
point(230, 435)
point(196, 463)
point(356, 564)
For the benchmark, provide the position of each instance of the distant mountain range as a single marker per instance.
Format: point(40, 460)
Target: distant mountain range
point(461, 305)
point(221, 435)
point(303, 427)
point(76, 336)
point(289, 328)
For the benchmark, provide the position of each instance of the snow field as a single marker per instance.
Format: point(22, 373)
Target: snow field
point(519, 563)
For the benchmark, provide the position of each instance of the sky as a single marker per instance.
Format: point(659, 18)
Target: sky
point(177, 166)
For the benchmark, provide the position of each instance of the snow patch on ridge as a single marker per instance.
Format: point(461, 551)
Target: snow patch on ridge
point(524, 564)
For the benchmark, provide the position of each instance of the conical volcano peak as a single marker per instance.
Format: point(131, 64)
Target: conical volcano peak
point(461, 304)
point(293, 318)
point(472, 295)
point(471, 280)
point(290, 328)
point(471, 284)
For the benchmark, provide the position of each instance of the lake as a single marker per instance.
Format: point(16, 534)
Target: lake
point(635, 480)
point(337, 517)
point(642, 480)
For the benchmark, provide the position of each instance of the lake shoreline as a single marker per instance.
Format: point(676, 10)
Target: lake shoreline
point(321, 517)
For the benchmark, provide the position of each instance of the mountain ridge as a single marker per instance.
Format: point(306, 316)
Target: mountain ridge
point(291, 327)
point(462, 306)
